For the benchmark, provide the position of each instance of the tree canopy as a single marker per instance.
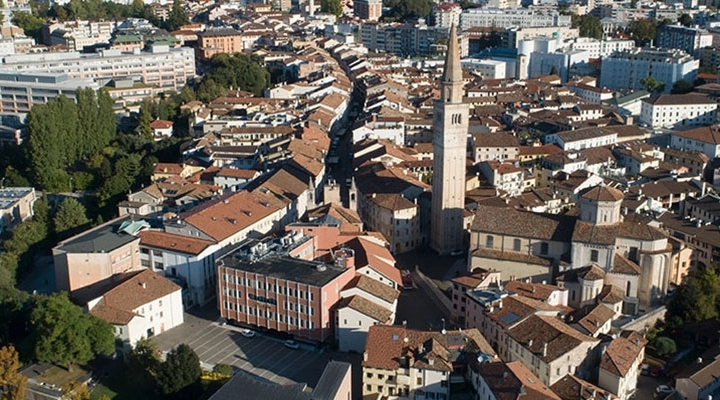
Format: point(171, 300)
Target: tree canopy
point(652, 85)
point(588, 25)
point(12, 382)
point(177, 17)
point(236, 71)
point(401, 10)
point(331, 7)
point(643, 31)
point(64, 335)
point(180, 371)
point(682, 87)
point(685, 20)
point(70, 216)
point(697, 299)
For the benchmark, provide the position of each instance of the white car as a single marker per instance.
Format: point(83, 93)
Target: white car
point(663, 390)
point(291, 344)
point(247, 333)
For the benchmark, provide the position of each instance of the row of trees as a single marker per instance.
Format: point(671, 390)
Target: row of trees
point(63, 132)
point(32, 22)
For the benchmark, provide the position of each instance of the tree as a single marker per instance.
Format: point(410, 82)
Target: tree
point(74, 390)
point(663, 345)
point(29, 23)
point(681, 87)
point(70, 216)
point(685, 20)
point(145, 117)
point(589, 25)
point(177, 17)
point(180, 370)
point(698, 298)
point(12, 383)
point(401, 10)
point(223, 369)
point(652, 85)
point(331, 7)
point(554, 71)
point(64, 335)
point(643, 30)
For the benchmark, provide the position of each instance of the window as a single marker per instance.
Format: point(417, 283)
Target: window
point(516, 245)
point(594, 255)
point(489, 241)
point(544, 248)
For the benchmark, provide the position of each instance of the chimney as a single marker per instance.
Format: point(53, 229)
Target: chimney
point(545, 349)
point(530, 342)
point(144, 285)
point(365, 356)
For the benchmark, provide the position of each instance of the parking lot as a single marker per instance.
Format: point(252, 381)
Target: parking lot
point(265, 358)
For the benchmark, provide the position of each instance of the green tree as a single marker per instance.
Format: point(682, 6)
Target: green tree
point(652, 85)
point(145, 117)
point(179, 372)
point(554, 71)
point(589, 25)
point(64, 335)
point(681, 87)
point(698, 298)
point(29, 23)
point(663, 345)
point(643, 31)
point(401, 10)
point(74, 390)
point(12, 383)
point(685, 20)
point(331, 7)
point(223, 369)
point(177, 17)
point(70, 216)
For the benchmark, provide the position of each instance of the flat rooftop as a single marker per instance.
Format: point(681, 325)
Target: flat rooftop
point(102, 239)
point(287, 268)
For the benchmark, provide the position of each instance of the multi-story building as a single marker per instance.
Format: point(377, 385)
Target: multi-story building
point(16, 206)
point(97, 254)
point(591, 94)
point(162, 66)
point(404, 363)
point(222, 40)
point(689, 39)
point(397, 218)
point(282, 292)
point(21, 91)
point(492, 380)
point(705, 139)
point(599, 48)
point(625, 69)
point(140, 305)
point(620, 364)
point(447, 14)
point(504, 176)
point(409, 39)
point(368, 10)
point(495, 146)
point(678, 111)
point(511, 17)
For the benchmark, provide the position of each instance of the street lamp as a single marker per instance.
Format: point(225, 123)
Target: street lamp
point(443, 329)
point(71, 181)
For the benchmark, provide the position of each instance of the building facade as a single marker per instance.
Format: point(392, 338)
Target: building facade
point(626, 69)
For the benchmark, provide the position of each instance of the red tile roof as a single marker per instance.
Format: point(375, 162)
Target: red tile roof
point(168, 241)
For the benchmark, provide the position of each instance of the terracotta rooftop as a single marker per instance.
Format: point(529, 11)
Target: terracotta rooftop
point(366, 307)
point(704, 134)
point(535, 291)
point(603, 193)
point(507, 221)
point(590, 272)
point(391, 201)
point(495, 140)
point(513, 381)
point(622, 265)
point(118, 304)
point(571, 387)
point(370, 253)
point(373, 287)
point(622, 353)
point(596, 318)
point(537, 330)
point(168, 241)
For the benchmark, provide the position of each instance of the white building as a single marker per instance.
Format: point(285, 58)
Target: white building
point(620, 364)
point(591, 94)
point(678, 111)
point(689, 39)
point(704, 139)
point(20, 91)
point(381, 127)
point(447, 14)
point(625, 69)
point(141, 305)
point(162, 66)
point(581, 139)
point(365, 302)
point(600, 48)
point(510, 17)
point(490, 69)
point(503, 176)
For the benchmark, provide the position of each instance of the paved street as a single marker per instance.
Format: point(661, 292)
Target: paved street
point(264, 357)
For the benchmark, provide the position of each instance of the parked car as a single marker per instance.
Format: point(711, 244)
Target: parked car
point(407, 280)
point(663, 391)
point(291, 344)
point(247, 333)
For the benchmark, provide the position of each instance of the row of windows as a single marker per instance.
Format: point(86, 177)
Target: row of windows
point(269, 287)
point(269, 315)
point(517, 244)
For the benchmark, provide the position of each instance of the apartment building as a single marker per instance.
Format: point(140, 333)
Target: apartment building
point(496, 146)
point(221, 40)
point(447, 14)
point(396, 217)
point(281, 292)
point(705, 139)
point(19, 92)
point(625, 69)
point(510, 17)
point(620, 364)
point(678, 111)
point(162, 66)
point(689, 39)
point(368, 10)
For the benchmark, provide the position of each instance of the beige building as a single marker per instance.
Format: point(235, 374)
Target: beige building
point(16, 205)
point(497, 146)
point(450, 129)
point(620, 364)
point(397, 218)
point(94, 256)
point(215, 41)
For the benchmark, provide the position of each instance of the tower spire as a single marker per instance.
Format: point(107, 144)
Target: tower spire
point(453, 70)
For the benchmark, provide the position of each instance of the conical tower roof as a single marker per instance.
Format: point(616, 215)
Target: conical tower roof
point(453, 70)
